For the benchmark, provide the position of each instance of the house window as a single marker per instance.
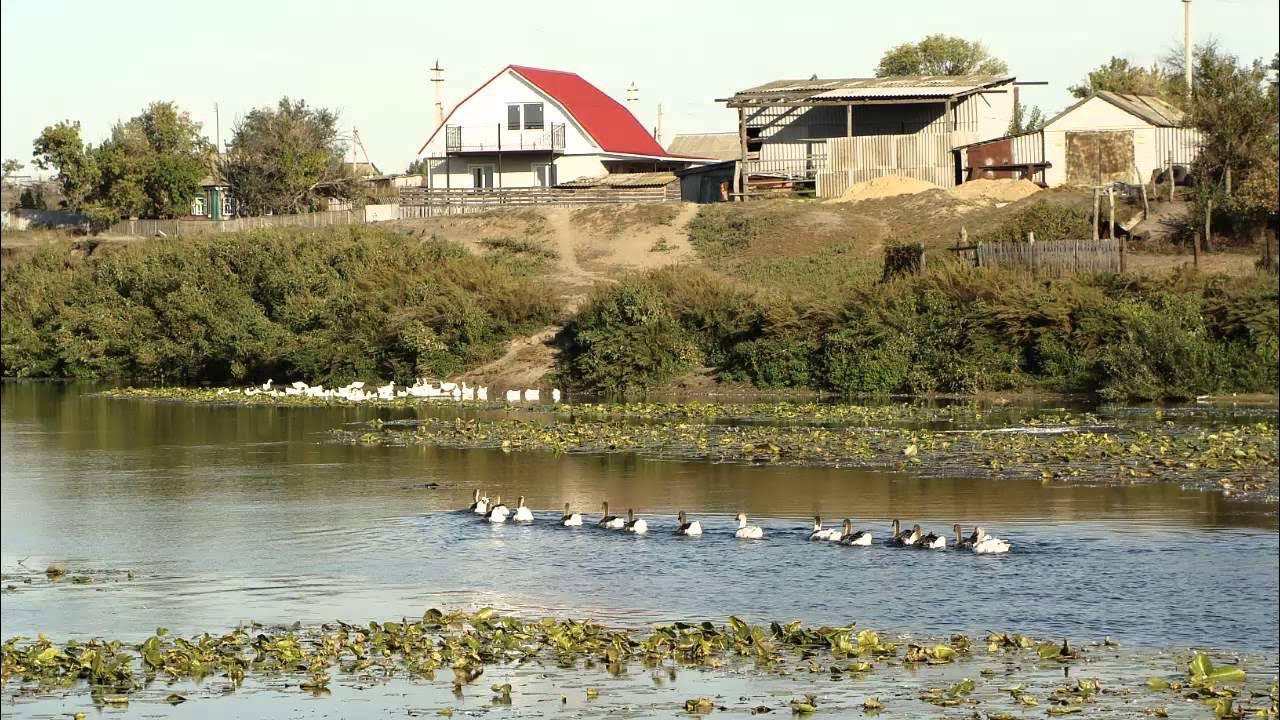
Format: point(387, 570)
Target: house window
point(481, 176)
point(526, 116)
point(228, 206)
point(533, 116)
point(546, 174)
point(197, 206)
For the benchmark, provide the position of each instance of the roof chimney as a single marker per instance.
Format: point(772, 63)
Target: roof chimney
point(437, 82)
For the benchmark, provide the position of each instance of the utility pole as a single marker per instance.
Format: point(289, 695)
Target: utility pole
point(657, 129)
point(437, 82)
point(1186, 43)
point(217, 130)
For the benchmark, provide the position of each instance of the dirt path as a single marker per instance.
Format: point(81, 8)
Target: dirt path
point(525, 365)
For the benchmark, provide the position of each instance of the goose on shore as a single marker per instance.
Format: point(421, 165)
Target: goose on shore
point(692, 529)
point(523, 514)
point(748, 532)
point(962, 542)
point(479, 505)
point(989, 544)
point(930, 541)
point(570, 519)
point(821, 533)
point(497, 512)
point(610, 522)
point(635, 525)
point(860, 538)
point(903, 539)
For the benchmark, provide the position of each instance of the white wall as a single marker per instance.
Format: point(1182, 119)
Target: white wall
point(517, 170)
point(1097, 115)
point(487, 110)
point(994, 111)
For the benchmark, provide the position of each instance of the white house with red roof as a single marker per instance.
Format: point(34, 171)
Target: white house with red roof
point(529, 127)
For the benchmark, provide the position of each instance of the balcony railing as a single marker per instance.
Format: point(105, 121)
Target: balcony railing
point(497, 138)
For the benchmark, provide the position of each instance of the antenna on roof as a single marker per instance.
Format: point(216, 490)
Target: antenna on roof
point(633, 93)
point(437, 82)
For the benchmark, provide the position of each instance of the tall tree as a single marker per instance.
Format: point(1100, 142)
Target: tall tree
point(940, 55)
point(1118, 75)
point(152, 165)
point(287, 159)
point(12, 166)
point(60, 148)
point(1235, 107)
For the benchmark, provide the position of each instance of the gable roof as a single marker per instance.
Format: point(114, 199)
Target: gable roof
point(1147, 108)
point(610, 125)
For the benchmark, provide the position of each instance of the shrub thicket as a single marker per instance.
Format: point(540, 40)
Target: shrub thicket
point(324, 306)
point(957, 330)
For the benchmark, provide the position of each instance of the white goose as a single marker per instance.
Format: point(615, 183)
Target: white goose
point(691, 529)
point(523, 514)
point(823, 534)
point(479, 505)
point(497, 512)
point(861, 538)
point(570, 519)
point(748, 532)
point(635, 525)
point(989, 544)
point(610, 522)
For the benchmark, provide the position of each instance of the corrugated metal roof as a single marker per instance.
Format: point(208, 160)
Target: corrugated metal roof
point(897, 86)
point(717, 146)
point(645, 179)
point(1147, 107)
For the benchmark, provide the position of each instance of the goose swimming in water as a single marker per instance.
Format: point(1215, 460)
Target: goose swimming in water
point(523, 514)
point(928, 542)
point(861, 538)
point(479, 505)
point(962, 542)
point(820, 533)
point(989, 544)
point(610, 522)
point(570, 519)
point(497, 512)
point(692, 529)
point(748, 532)
point(903, 539)
point(635, 525)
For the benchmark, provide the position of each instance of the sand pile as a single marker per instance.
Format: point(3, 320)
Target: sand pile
point(995, 190)
point(883, 187)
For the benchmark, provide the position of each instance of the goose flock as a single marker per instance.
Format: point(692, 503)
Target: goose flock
point(422, 389)
point(978, 541)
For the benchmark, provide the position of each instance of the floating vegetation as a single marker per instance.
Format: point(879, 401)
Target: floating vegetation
point(456, 648)
point(1239, 460)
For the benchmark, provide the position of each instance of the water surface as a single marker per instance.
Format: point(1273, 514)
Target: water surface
point(232, 514)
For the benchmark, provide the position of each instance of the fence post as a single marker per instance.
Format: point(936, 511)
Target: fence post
point(1111, 212)
point(1195, 249)
point(1097, 200)
point(1123, 251)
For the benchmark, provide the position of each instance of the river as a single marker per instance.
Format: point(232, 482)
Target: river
point(202, 517)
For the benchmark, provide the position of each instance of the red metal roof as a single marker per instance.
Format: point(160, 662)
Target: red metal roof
point(609, 124)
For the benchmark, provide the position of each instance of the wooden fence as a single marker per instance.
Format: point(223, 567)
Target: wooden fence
point(421, 202)
point(180, 228)
point(1052, 257)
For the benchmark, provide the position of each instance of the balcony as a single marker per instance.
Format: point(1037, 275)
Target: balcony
point(462, 139)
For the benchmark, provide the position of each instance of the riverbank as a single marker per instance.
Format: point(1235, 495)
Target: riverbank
point(489, 661)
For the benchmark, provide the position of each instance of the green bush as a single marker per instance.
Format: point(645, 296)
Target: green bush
point(326, 306)
point(719, 230)
point(1049, 221)
point(955, 330)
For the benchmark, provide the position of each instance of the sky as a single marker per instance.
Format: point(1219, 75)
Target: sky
point(101, 62)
